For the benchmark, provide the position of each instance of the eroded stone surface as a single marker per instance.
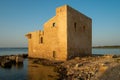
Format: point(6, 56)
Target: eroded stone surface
point(65, 36)
point(92, 68)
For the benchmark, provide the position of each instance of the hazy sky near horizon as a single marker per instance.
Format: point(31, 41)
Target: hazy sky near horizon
point(18, 17)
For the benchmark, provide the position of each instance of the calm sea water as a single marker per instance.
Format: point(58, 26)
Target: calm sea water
point(10, 51)
point(106, 51)
point(15, 73)
point(30, 71)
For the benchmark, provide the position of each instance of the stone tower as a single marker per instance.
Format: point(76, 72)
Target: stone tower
point(66, 35)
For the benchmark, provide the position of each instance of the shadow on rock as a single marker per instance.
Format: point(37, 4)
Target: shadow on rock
point(111, 74)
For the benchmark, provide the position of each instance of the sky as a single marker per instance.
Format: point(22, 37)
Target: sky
point(18, 17)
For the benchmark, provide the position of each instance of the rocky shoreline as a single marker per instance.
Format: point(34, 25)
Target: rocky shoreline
point(85, 68)
point(8, 60)
point(96, 67)
point(90, 68)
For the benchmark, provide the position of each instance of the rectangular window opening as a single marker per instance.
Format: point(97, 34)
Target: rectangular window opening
point(84, 28)
point(41, 40)
point(75, 26)
point(54, 54)
point(54, 25)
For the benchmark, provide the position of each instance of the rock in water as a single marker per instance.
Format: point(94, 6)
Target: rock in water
point(6, 64)
point(19, 59)
point(25, 55)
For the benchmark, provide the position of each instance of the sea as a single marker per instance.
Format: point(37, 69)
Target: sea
point(31, 71)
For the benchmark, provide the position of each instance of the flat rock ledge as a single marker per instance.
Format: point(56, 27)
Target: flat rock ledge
point(103, 67)
point(8, 60)
point(45, 62)
point(96, 67)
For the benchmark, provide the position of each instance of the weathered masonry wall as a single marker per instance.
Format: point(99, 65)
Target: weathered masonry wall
point(79, 34)
point(54, 39)
point(61, 14)
point(66, 35)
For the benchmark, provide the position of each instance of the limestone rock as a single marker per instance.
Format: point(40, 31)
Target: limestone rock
point(19, 59)
point(6, 63)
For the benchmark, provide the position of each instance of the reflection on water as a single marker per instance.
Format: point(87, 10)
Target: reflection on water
point(17, 72)
point(28, 71)
point(32, 71)
point(40, 72)
point(18, 66)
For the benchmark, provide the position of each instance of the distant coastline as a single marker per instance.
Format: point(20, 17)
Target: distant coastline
point(92, 47)
point(14, 47)
point(116, 46)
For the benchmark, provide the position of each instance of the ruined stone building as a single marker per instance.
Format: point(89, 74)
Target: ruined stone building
point(66, 35)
